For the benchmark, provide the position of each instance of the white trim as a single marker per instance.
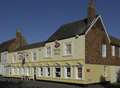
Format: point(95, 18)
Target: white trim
point(93, 23)
point(105, 29)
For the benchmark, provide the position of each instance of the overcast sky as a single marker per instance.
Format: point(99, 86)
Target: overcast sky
point(38, 19)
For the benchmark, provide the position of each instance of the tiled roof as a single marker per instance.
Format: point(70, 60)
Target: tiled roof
point(5, 45)
point(115, 41)
point(70, 30)
point(30, 46)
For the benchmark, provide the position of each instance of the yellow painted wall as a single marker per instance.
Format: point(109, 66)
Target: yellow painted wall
point(96, 72)
point(78, 51)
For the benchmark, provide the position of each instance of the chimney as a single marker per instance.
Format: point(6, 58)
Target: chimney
point(18, 38)
point(91, 10)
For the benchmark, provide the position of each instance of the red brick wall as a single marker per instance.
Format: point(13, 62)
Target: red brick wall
point(94, 40)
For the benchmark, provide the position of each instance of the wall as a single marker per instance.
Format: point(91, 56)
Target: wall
point(93, 47)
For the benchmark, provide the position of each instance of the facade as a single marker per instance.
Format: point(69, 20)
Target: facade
point(7, 47)
point(79, 52)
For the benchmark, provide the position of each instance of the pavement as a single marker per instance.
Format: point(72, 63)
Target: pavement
point(16, 83)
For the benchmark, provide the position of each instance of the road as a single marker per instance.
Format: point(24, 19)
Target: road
point(15, 83)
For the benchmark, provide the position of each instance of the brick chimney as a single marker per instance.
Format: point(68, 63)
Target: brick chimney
point(91, 10)
point(20, 41)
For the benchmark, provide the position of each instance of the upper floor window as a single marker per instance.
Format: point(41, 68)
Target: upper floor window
point(49, 51)
point(34, 56)
point(4, 57)
point(113, 50)
point(68, 49)
point(104, 50)
point(14, 58)
point(119, 51)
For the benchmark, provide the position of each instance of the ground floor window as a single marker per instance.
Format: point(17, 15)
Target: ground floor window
point(58, 72)
point(41, 71)
point(67, 72)
point(80, 72)
point(48, 71)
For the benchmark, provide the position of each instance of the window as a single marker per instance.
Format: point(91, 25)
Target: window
point(4, 57)
point(58, 72)
point(41, 71)
point(34, 56)
point(104, 51)
point(68, 49)
point(113, 50)
point(49, 52)
point(119, 51)
point(14, 58)
point(80, 72)
point(67, 72)
point(48, 71)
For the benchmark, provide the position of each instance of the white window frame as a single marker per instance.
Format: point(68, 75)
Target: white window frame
point(48, 71)
point(34, 54)
point(40, 71)
point(66, 71)
point(119, 51)
point(65, 48)
point(80, 78)
point(104, 50)
point(57, 72)
point(113, 50)
point(49, 54)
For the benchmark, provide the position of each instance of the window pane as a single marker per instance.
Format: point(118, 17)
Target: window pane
point(104, 50)
point(58, 72)
point(41, 71)
point(68, 72)
point(34, 55)
point(48, 71)
point(49, 51)
point(113, 50)
point(68, 49)
point(80, 72)
point(119, 51)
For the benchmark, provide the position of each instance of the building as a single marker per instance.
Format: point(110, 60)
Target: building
point(79, 52)
point(7, 47)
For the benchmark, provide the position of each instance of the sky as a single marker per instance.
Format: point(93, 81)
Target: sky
point(39, 19)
